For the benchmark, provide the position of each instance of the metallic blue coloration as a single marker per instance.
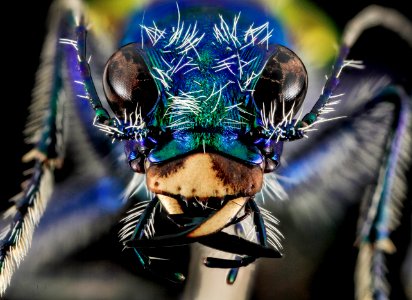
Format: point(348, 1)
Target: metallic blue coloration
point(206, 63)
point(164, 14)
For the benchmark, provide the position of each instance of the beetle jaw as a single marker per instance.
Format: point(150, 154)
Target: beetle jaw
point(205, 185)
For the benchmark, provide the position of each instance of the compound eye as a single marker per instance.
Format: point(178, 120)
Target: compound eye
point(282, 84)
point(128, 84)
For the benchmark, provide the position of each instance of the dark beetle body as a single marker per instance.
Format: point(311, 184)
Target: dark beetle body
point(206, 163)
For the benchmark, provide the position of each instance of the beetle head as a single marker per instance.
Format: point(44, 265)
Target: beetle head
point(208, 109)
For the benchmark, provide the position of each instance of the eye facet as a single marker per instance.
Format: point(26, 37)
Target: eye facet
point(283, 82)
point(127, 82)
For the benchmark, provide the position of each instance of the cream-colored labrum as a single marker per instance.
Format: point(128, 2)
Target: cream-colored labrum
point(204, 175)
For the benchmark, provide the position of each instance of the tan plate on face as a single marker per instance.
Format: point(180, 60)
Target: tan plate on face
point(204, 175)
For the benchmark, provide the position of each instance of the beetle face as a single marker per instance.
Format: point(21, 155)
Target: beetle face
point(204, 180)
point(206, 100)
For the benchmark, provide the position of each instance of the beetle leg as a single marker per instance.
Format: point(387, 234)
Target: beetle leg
point(45, 131)
point(381, 208)
point(144, 228)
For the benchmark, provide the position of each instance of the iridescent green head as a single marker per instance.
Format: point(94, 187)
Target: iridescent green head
point(221, 86)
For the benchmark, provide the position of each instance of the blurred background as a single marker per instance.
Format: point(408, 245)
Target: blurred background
point(21, 42)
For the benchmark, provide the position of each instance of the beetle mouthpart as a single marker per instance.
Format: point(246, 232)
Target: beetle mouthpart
point(204, 176)
point(210, 220)
point(220, 219)
point(172, 206)
point(175, 205)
